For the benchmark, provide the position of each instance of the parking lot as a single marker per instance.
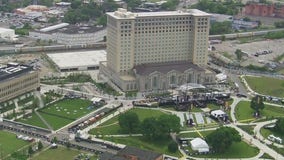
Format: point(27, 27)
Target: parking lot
point(276, 46)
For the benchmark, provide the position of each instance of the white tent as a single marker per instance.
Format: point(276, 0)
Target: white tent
point(199, 145)
point(96, 99)
point(218, 113)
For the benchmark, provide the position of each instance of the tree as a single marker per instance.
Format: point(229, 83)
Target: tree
point(68, 144)
point(54, 140)
point(173, 147)
point(131, 4)
point(161, 127)
point(129, 122)
point(220, 28)
point(171, 123)
point(257, 104)
point(39, 145)
point(222, 138)
point(279, 24)
point(76, 4)
point(109, 5)
point(169, 5)
point(30, 151)
point(279, 126)
point(52, 20)
point(149, 128)
point(239, 54)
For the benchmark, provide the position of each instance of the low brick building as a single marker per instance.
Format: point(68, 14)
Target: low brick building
point(265, 10)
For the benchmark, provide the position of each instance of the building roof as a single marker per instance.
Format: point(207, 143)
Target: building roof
point(70, 29)
point(217, 112)
point(68, 60)
point(165, 67)
point(5, 30)
point(140, 154)
point(124, 14)
point(13, 70)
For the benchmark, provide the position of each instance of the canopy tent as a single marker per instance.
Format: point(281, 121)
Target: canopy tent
point(199, 145)
point(96, 100)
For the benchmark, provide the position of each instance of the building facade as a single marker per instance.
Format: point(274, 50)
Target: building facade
point(264, 10)
point(16, 80)
point(135, 39)
point(71, 34)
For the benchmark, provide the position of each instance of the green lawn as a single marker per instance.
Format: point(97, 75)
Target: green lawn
point(247, 128)
point(212, 106)
point(69, 108)
point(9, 143)
point(33, 120)
point(276, 86)
point(195, 134)
point(54, 121)
point(244, 112)
point(60, 113)
point(112, 127)
point(141, 142)
point(60, 153)
point(236, 150)
point(266, 132)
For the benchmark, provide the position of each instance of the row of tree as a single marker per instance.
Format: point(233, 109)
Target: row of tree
point(152, 128)
point(221, 7)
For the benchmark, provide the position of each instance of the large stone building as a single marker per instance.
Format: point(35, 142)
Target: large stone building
point(156, 50)
point(16, 80)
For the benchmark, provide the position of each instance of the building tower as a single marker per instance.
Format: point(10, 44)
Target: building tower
point(135, 39)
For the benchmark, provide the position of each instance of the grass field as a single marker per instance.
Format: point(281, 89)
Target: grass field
point(60, 113)
point(244, 112)
point(54, 121)
point(195, 134)
point(33, 120)
point(112, 127)
point(9, 143)
point(276, 86)
point(247, 128)
point(61, 153)
point(236, 150)
point(266, 132)
point(140, 142)
point(69, 108)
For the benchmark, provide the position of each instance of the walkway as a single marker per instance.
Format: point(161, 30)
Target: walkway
point(263, 147)
point(44, 121)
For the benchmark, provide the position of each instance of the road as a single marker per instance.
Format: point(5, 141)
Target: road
point(249, 138)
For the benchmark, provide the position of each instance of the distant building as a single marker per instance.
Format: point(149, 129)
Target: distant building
point(7, 34)
point(220, 18)
point(16, 79)
point(241, 24)
point(31, 8)
point(132, 153)
point(78, 61)
point(264, 10)
point(149, 51)
point(70, 34)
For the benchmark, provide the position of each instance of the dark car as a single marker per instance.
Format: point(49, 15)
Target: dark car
point(241, 95)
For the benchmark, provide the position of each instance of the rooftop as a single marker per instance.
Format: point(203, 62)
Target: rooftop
point(70, 29)
point(78, 59)
point(12, 70)
point(124, 14)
